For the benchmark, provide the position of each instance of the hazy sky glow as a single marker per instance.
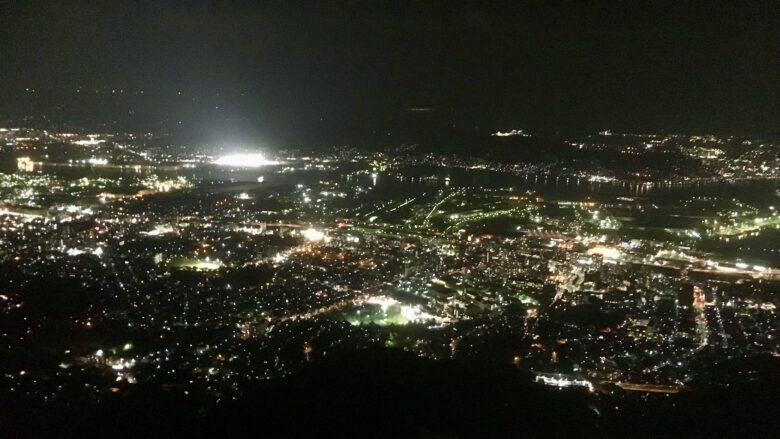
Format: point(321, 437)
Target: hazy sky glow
point(300, 71)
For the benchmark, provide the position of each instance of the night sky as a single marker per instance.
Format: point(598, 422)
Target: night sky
point(291, 72)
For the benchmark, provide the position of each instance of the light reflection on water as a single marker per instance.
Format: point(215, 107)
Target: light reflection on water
point(426, 178)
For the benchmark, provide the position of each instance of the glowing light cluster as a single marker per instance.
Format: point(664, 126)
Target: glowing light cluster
point(253, 160)
point(92, 141)
point(510, 133)
point(159, 230)
point(313, 235)
point(606, 252)
point(563, 381)
point(383, 301)
point(25, 164)
point(410, 313)
point(207, 264)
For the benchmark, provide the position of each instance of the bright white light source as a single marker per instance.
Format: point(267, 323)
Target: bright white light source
point(74, 252)
point(563, 381)
point(511, 133)
point(206, 265)
point(606, 252)
point(243, 160)
point(414, 314)
point(313, 235)
point(159, 230)
point(91, 142)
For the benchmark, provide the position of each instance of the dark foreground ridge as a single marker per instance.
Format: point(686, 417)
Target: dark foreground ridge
point(389, 393)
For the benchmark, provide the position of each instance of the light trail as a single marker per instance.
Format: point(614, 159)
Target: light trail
point(436, 206)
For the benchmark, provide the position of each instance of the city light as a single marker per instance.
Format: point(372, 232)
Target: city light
point(510, 133)
point(606, 252)
point(310, 221)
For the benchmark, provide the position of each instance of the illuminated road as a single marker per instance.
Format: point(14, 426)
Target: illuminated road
point(436, 206)
point(647, 388)
point(319, 311)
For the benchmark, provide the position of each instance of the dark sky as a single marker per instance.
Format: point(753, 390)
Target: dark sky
point(288, 70)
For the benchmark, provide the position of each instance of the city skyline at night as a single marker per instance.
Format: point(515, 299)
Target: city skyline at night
point(389, 219)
